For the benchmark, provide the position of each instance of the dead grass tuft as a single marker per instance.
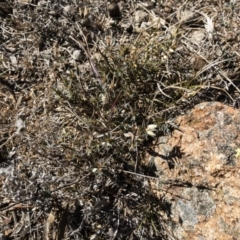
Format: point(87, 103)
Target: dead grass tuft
point(92, 92)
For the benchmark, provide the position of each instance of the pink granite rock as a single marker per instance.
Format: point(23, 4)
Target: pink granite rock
point(201, 162)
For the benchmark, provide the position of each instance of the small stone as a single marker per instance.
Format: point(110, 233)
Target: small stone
point(127, 26)
point(76, 55)
point(157, 11)
point(13, 60)
point(67, 9)
point(140, 16)
point(198, 63)
point(167, 9)
point(198, 36)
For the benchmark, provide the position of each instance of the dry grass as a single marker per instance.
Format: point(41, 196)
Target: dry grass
point(83, 91)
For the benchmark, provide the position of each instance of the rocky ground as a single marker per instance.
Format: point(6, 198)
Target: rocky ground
point(101, 136)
